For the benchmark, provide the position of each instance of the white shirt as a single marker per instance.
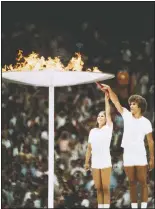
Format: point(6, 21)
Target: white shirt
point(37, 203)
point(135, 130)
point(27, 196)
point(6, 143)
point(85, 203)
point(100, 140)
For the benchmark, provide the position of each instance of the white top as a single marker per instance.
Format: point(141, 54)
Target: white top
point(100, 140)
point(135, 130)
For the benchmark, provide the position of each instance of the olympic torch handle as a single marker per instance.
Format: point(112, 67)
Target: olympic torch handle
point(102, 88)
point(99, 84)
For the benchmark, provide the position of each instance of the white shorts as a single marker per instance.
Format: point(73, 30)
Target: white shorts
point(102, 162)
point(134, 160)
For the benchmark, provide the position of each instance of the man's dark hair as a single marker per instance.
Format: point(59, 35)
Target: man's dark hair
point(141, 101)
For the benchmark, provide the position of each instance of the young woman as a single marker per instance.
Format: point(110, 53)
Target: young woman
point(99, 151)
point(136, 127)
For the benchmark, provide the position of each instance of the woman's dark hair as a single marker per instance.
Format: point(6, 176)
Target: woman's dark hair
point(141, 101)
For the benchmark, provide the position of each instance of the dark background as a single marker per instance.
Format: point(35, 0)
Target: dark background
point(114, 21)
point(109, 17)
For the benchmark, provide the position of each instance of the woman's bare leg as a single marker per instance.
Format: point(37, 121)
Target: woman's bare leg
point(98, 185)
point(106, 176)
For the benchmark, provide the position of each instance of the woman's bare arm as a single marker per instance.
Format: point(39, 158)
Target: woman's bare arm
point(87, 157)
point(108, 109)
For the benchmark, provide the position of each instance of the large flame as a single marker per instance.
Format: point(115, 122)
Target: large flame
point(76, 63)
point(34, 62)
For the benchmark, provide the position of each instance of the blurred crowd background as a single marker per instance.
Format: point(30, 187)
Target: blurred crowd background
point(25, 109)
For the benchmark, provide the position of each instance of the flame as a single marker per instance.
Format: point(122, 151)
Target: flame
point(34, 62)
point(76, 63)
point(96, 70)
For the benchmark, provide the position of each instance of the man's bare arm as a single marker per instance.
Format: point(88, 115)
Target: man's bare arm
point(151, 149)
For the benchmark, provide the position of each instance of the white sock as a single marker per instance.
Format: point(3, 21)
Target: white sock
point(134, 205)
point(106, 205)
point(144, 205)
point(100, 205)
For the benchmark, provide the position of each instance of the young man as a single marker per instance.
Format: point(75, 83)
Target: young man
point(136, 127)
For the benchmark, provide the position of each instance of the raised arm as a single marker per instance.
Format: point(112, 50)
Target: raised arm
point(112, 96)
point(107, 109)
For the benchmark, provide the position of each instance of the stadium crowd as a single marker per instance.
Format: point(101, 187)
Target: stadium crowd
point(25, 120)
